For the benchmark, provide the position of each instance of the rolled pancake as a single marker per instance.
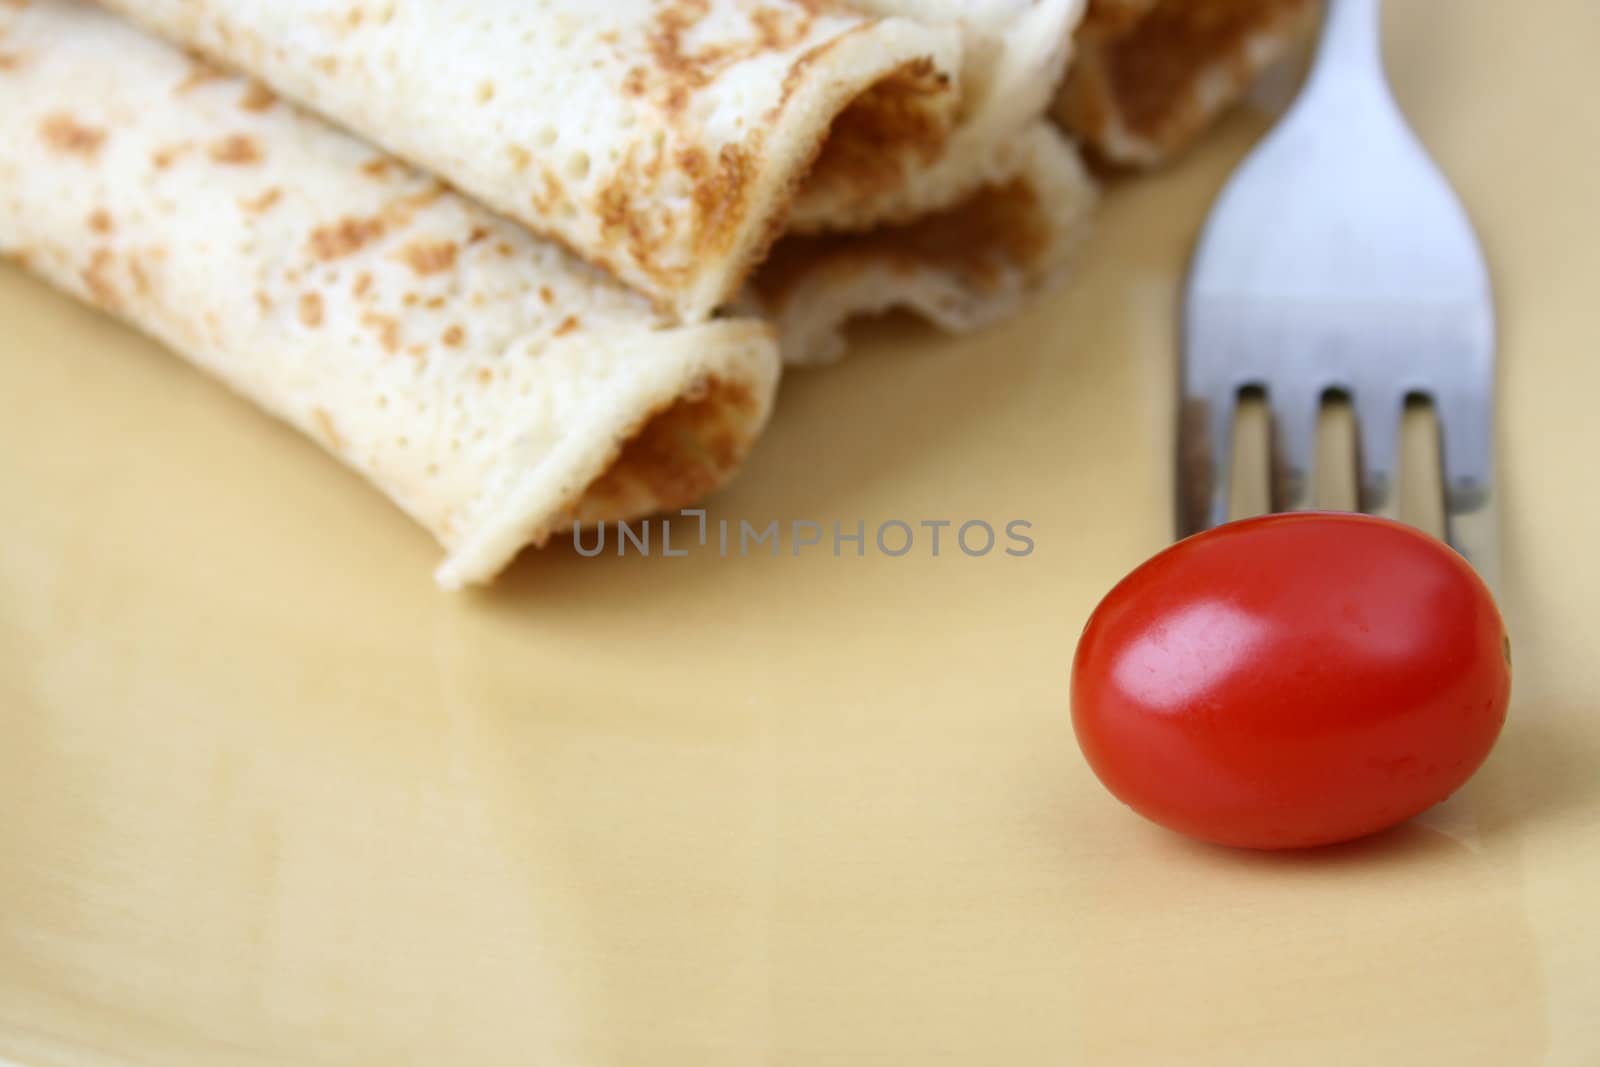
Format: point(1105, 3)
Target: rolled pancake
point(669, 141)
point(493, 386)
point(1151, 76)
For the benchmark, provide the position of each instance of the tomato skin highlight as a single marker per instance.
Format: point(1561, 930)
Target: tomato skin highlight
point(1291, 681)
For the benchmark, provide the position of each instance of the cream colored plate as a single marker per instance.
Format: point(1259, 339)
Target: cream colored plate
point(267, 797)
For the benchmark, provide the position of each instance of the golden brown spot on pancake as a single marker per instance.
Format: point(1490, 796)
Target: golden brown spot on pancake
point(10, 60)
point(720, 192)
point(97, 281)
point(164, 157)
point(680, 71)
point(769, 23)
point(23, 258)
point(257, 97)
point(546, 295)
point(615, 207)
point(429, 257)
point(100, 221)
point(568, 324)
point(479, 233)
point(453, 335)
point(311, 309)
point(627, 221)
point(328, 65)
point(550, 196)
point(141, 280)
point(411, 300)
point(416, 350)
point(354, 17)
point(200, 72)
point(263, 301)
point(654, 165)
point(265, 202)
point(345, 237)
point(435, 303)
point(521, 158)
point(485, 375)
point(236, 150)
point(400, 211)
point(388, 330)
point(778, 32)
point(377, 168)
point(362, 284)
point(62, 133)
point(504, 248)
point(326, 429)
point(485, 92)
point(674, 20)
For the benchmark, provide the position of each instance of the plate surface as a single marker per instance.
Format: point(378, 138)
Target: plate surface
point(269, 797)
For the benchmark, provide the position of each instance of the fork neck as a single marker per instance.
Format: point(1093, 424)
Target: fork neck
point(1352, 41)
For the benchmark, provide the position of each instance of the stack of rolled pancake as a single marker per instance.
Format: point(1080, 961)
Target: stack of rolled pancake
point(531, 263)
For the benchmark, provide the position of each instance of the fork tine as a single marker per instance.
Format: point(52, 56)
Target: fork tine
point(1205, 447)
point(1295, 413)
point(1466, 424)
point(1466, 430)
point(1378, 409)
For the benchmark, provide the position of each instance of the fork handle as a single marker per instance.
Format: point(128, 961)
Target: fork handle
point(1352, 42)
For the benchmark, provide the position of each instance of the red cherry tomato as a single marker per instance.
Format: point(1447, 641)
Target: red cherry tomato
point(1292, 680)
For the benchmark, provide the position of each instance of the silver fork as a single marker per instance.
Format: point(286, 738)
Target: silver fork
point(1339, 258)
